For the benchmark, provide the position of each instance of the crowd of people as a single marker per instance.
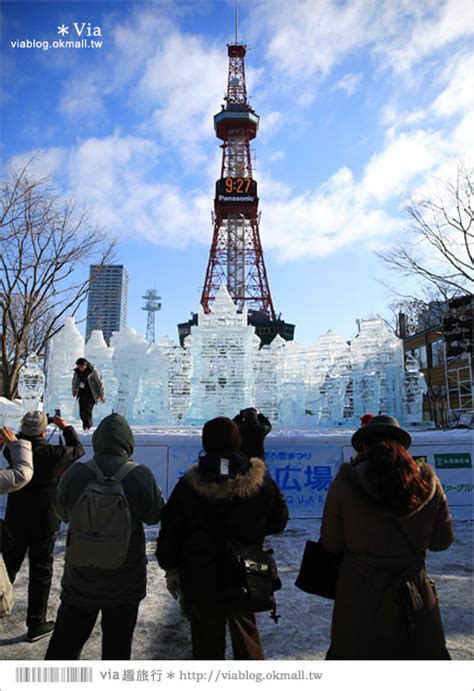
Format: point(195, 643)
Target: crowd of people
point(382, 512)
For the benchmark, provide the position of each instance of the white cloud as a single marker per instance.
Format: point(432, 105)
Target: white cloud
point(271, 123)
point(306, 40)
point(41, 163)
point(277, 155)
point(83, 96)
point(185, 80)
point(431, 26)
point(319, 223)
point(348, 83)
point(135, 42)
point(172, 81)
point(458, 95)
point(406, 156)
point(115, 177)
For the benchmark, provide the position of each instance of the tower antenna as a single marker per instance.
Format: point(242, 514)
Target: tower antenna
point(236, 21)
point(152, 305)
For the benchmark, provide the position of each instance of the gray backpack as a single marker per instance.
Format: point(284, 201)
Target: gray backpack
point(100, 525)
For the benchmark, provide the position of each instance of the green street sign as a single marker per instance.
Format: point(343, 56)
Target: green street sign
point(453, 460)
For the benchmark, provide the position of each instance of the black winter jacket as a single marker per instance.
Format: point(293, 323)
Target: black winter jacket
point(30, 510)
point(204, 512)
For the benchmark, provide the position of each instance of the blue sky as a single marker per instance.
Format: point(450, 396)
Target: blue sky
point(362, 103)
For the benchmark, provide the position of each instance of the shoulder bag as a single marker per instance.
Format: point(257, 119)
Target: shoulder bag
point(319, 570)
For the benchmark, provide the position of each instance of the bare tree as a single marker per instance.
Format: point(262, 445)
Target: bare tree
point(45, 245)
point(438, 245)
point(412, 314)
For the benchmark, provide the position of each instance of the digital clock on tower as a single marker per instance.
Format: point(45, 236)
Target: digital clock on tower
point(236, 189)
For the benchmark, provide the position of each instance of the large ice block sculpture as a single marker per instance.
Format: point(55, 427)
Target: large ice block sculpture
point(128, 360)
point(222, 369)
point(267, 381)
point(376, 344)
point(291, 376)
point(223, 353)
point(153, 401)
point(415, 387)
point(328, 357)
point(64, 349)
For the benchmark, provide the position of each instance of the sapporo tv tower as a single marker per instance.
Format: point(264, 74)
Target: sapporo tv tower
point(236, 256)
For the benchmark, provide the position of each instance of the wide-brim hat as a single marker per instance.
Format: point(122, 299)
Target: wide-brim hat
point(34, 423)
point(380, 426)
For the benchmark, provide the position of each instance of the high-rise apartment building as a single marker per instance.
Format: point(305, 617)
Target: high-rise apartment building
point(108, 299)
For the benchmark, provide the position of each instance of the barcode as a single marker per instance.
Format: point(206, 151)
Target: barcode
point(50, 674)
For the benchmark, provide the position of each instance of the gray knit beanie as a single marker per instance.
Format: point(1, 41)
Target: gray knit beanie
point(34, 423)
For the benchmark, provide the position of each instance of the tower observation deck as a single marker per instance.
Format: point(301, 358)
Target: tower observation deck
point(236, 255)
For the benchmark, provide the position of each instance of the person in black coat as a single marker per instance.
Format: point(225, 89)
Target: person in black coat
point(31, 519)
point(88, 388)
point(253, 427)
point(225, 497)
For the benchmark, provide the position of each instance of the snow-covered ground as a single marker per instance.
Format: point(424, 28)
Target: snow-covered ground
point(303, 630)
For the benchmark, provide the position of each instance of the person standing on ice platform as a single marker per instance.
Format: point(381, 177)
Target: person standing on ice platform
point(88, 388)
point(224, 497)
point(381, 515)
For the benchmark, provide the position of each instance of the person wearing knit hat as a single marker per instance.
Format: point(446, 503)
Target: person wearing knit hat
point(366, 418)
point(30, 516)
point(34, 423)
point(225, 497)
point(382, 512)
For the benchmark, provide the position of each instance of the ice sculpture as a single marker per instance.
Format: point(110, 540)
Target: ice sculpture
point(223, 353)
point(328, 354)
point(31, 384)
point(267, 381)
point(64, 349)
point(222, 369)
point(180, 379)
point(335, 385)
point(153, 401)
point(384, 350)
point(415, 387)
point(291, 375)
point(128, 361)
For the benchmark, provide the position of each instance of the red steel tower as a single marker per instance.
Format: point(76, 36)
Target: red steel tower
point(236, 256)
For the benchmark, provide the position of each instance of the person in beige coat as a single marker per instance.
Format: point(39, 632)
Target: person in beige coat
point(381, 515)
point(20, 468)
point(13, 478)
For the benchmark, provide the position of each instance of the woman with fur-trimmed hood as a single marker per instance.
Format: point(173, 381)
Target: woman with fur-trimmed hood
point(381, 515)
point(224, 497)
